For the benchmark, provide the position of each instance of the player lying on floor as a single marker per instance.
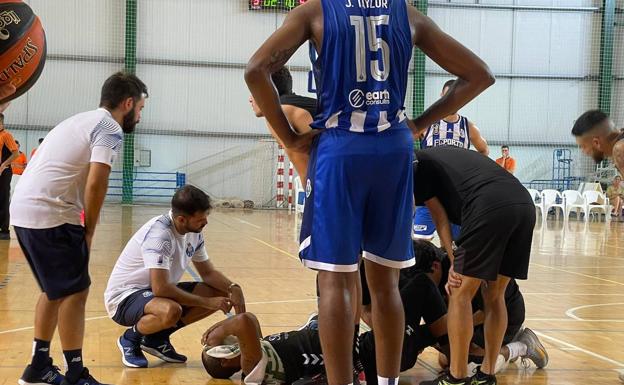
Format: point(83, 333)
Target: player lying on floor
point(283, 358)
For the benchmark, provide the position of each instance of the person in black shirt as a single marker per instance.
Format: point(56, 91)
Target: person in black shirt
point(497, 217)
point(299, 111)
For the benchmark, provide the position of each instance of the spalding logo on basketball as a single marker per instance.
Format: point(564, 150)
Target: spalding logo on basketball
point(22, 46)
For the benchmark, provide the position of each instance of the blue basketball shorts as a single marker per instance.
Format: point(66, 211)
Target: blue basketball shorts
point(359, 196)
point(424, 227)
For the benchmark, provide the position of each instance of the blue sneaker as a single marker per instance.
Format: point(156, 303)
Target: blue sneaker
point(50, 374)
point(84, 379)
point(131, 354)
point(163, 350)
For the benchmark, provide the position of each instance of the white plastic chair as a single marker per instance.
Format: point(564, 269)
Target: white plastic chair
point(299, 196)
point(535, 195)
point(573, 199)
point(593, 199)
point(550, 199)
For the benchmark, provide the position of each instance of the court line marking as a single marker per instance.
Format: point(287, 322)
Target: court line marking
point(580, 349)
point(575, 273)
point(581, 294)
point(573, 320)
point(247, 223)
point(106, 316)
point(570, 312)
point(276, 248)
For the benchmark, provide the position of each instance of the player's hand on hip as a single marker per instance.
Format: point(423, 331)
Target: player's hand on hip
point(303, 142)
point(238, 299)
point(218, 303)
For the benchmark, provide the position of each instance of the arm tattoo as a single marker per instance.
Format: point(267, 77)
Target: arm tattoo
point(279, 57)
point(618, 157)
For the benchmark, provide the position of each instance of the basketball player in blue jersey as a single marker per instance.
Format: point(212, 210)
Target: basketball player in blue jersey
point(452, 130)
point(359, 175)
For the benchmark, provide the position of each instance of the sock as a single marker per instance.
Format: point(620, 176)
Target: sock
point(357, 365)
point(387, 381)
point(73, 359)
point(164, 335)
point(41, 354)
point(133, 335)
point(516, 349)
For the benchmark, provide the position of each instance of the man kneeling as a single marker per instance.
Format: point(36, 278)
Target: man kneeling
point(143, 290)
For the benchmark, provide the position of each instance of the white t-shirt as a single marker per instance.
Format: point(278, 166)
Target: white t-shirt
point(157, 245)
point(51, 190)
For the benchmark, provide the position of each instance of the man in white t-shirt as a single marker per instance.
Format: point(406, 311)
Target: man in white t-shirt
point(70, 173)
point(144, 291)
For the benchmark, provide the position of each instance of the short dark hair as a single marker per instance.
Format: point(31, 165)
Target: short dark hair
point(40, 140)
point(449, 83)
point(588, 121)
point(215, 369)
point(17, 142)
point(121, 86)
point(505, 146)
point(283, 81)
point(189, 200)
point(426, 254)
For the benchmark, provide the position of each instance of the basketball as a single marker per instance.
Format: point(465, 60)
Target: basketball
point(22, 46)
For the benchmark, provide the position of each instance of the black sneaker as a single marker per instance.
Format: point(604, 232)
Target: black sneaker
point(163, 350)
point(319, 379)
point(481, 378)
point(5, 236)
point(84, 379)
point(446, 379)
point(50, 374)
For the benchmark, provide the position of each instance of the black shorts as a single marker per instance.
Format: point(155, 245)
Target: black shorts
point(58, 257)
point(497, 242)
point(132, 308)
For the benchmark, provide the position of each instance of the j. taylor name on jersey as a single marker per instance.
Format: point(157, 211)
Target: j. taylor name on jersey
point(367, 3)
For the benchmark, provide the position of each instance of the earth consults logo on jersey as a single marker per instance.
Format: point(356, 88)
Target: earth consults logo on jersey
point(357, 98)
point(189, 250)
point(308, 188)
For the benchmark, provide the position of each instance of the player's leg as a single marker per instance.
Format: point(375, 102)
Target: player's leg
point(336, 324)
point(5, 193)
point(330, 243)
point(495, 321)
point(46, 317)
point(387, 246)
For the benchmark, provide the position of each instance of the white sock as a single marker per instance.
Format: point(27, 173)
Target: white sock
point(516, 349)
point(387, 381)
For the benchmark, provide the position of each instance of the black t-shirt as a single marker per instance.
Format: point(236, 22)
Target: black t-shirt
point(300, 353)
point(467, 183)
point(308, 104)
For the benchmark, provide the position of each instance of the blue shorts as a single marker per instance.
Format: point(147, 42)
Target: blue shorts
point(132, 308)
point(358, 198)
point(58, 257)
point(424, 228)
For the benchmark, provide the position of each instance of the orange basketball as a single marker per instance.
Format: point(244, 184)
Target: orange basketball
point(22, 46)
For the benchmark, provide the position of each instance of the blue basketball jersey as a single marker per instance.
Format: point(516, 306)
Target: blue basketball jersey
point(361, 72)
point(443, 133)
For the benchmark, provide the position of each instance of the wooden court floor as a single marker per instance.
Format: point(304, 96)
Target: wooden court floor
point(574, 296)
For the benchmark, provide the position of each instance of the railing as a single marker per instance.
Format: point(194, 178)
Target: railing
point(147, 184)
point(570, 183)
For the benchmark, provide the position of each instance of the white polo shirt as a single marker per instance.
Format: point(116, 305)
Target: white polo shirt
point(157, 245)
point(51, 190)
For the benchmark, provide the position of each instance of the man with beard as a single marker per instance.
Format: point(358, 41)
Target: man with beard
point(597, 137)
point(69, 174)
point(143, 292)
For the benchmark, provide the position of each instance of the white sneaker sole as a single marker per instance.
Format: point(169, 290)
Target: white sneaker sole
point(22, 382)
point(158, 354)
point(123, 357)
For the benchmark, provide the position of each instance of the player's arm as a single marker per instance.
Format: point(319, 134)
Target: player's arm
point(271, 56)
point(161, 287)
point(246, 328)
point(95, 192)
point(473, 75)
point(7, 162)
point(443, 227)
point(214, 278)
point(477, 140)
point(300, 120)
